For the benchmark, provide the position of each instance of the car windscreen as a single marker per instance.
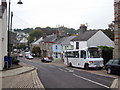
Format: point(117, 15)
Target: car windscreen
point(110, 62)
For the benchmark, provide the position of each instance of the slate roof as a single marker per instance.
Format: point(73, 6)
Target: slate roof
point(50, 38)
point(84, 36)
point(65, 40)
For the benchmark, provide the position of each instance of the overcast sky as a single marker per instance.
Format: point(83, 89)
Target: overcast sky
point(70, 13)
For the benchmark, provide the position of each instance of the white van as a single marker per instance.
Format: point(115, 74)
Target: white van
point(27, 53)
point(88, 57)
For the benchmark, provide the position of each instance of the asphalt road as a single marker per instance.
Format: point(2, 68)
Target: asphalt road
point(53, 76)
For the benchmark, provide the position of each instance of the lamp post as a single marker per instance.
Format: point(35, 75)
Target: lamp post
point(9, 28)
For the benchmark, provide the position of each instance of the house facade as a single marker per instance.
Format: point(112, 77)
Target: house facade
point(3, 32)
point(60, 46)
point(46, 45)
point(91, 38)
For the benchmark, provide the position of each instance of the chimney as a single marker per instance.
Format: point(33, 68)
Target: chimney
point(57, 33)
point(83, 28)
point(44, 35)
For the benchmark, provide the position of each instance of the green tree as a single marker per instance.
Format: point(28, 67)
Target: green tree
point(34, 35)
point(109, 33)
point(107, 53)
point(36, 50)
point(30, 39)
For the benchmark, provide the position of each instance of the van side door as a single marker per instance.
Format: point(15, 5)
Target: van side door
point(82, 58)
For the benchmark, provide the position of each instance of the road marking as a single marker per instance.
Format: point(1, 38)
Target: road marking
point(62, 70)
point(69, 70)
point(114, 84)
point(91, 81)
point(97, 73)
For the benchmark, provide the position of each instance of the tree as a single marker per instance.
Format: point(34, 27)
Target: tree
point(107, 53)
point(36, 50)
point(30, 39)
point(35, 35)
point(109, 33)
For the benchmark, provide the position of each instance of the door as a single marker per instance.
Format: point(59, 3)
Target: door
point(116, 66)
point(82, 58)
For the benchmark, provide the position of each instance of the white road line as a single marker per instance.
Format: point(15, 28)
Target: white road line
point(62, 70)
point(91, 81)
point(115, 84)
point(69, 70)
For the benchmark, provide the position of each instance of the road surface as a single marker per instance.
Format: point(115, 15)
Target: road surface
point(53, 76)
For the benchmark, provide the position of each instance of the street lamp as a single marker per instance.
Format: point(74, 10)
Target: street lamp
point(9, 28)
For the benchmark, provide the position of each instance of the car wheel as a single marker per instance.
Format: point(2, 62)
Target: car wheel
point(109, 71)
point(86, 67)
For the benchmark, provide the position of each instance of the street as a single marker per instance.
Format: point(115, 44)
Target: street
point(53, 76)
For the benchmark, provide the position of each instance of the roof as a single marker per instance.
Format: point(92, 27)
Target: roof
point(37, 42)
point(65, 40)
point(50, 38)
point(84, 36)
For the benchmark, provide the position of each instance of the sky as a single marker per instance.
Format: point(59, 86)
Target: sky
point(97, 14)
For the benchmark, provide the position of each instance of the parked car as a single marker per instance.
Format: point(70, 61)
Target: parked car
point(33, 54)
point(113, 66)
point(29, 57)
point(20, 55)
point(46, 59)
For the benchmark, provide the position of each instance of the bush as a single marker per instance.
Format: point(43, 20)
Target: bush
point(15, 61)
point(107, 53)
point(36, 50)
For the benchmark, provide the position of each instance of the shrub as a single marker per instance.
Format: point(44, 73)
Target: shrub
point(14, 58)
point(36, 50)
point(107, 53)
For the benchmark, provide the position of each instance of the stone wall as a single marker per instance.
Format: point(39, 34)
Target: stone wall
point(116, 53)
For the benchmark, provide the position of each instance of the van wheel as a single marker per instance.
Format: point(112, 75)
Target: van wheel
point(86, 67)
point(70, 64)
point(109, 71)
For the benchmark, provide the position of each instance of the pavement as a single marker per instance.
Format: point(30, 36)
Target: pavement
point(22, 77)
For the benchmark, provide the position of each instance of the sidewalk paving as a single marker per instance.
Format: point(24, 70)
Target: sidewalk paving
point(23, 77)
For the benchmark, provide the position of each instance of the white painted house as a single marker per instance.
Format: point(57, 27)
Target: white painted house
point(91, 38)
point(3, 32)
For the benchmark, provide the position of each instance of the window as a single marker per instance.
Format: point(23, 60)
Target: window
point(93, 53)
point(77, 45)
point(56, 46)
point(72, 54)
point(110, 61)
point(56, 55)
point(115, 61)
point(83, 54)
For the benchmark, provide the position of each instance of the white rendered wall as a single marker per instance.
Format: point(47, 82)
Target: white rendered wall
point(4, 36)
point(100, 39)
point(1, 44)
point(82, 44)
